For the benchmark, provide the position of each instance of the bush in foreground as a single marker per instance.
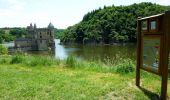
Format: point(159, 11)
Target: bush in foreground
point(3, 50)
point(126, 67)
point(16, 59)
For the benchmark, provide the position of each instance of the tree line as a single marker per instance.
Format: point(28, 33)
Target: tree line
point(111, 24)
point(10, 34)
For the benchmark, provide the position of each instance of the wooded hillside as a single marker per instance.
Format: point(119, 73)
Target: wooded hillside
point(111, 24)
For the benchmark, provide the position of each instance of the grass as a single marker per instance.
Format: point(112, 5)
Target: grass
point(44, 78)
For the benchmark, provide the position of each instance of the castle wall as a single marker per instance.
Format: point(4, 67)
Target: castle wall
point(37, 39)
point(23, 42)
point(42, 45)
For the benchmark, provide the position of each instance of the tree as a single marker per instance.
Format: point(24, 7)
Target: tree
point(18, 32)
point(3, 50)
point(111, 24)
point(2, 36)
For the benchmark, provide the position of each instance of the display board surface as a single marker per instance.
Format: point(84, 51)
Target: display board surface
point(153, 25)
point(151, 53)
point(144, 25)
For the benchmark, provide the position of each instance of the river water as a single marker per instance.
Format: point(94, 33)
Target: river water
point(90, 52)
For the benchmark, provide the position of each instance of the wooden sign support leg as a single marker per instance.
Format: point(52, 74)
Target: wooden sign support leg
point(138, 77)
point(164, 88)
point(166, 43)
point(165, 73)
point(138, 55)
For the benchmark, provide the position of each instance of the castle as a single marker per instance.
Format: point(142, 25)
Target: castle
point(36, 39)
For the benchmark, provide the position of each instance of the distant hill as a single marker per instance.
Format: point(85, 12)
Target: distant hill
point(111, 24)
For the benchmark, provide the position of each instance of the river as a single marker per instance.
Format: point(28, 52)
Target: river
point(91, 52)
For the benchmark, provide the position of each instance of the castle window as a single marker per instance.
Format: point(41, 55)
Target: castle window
point(40, 33)
point(40, 36)
point(50, 33)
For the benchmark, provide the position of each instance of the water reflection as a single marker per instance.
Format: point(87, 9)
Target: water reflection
point(89, 52)
point(60, 50)
point(8, 44)
point(102, 53)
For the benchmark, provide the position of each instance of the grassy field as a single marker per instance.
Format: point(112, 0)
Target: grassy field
point(24, 77)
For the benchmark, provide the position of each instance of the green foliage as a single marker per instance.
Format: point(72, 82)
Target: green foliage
point(125, 67)
point(58, 33)
point(71, 61)
point(18, 32)
point(3, 50)
point(9, 34)
point(5, 36)
point(4, 59)
point(111, 24)
point(16, 59)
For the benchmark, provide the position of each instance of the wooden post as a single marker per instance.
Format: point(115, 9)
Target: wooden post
point(164, 63)
point(138, 53)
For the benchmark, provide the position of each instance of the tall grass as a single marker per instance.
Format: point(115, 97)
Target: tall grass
point(29, 60)
point(71, 62)
point(122, 66)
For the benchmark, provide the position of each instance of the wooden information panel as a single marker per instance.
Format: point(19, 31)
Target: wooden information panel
point(151, 53)
point(153, 48)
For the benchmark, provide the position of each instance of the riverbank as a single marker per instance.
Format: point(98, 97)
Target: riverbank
point(33, 77)
point(93, 43)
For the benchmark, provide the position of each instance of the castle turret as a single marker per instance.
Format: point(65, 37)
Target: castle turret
point(35, 26)
point(51, 35)
point(50, 26)
point(31, 25)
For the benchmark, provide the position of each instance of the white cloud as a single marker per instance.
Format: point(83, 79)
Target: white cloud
point(62, 13)
point(163, 2)
point(12, 4)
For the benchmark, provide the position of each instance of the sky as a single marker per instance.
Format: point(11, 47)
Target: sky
point(61, 13)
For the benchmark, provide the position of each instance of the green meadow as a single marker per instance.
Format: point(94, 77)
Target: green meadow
point(26, 77)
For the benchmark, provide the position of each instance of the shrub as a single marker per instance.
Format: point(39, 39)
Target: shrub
point(4, 59)
point(71, 61)
point(126, 67)
point(17, 59)
point(3, 50)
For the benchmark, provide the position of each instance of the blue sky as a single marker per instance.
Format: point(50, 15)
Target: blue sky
point(62, 13)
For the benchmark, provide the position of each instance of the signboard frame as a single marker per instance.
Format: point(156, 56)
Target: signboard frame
point(157, 25)
point(162, 31)
point(149, 69)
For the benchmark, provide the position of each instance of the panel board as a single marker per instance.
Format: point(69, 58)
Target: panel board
point(151, 53)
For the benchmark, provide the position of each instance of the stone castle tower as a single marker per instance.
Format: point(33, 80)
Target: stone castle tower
point(37, 38)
